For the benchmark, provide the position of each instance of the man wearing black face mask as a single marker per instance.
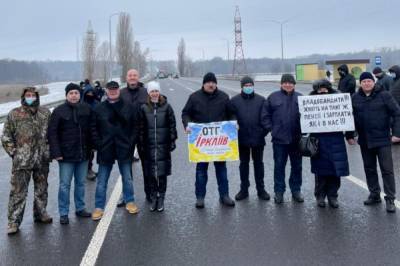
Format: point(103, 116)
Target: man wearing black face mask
point(347, 82)
point(90, 98)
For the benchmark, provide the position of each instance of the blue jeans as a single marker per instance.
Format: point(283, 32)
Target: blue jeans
point(202, 178)
point(281, 154)
point(78, 170)
point(103, 175)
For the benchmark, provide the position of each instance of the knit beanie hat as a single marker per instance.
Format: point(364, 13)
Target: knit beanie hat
point(288, 78)
point(71, 87)
point(209, 77)
point(153, 86)
point(366, 75)
point(246, 80)
point(377, 70)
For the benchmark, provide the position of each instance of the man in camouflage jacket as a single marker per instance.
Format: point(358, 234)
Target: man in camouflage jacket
point(25, 140)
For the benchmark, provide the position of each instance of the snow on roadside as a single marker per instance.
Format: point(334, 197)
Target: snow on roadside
point(56, 93)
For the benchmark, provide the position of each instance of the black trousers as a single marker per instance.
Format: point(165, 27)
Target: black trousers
point(384, 155)
point(158, 185)
point(257, 154)
point(146, 179)
point(326, 186)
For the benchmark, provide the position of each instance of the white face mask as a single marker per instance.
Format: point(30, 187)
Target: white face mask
point(393, 75)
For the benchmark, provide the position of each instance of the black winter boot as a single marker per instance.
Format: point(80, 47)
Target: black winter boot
point(153, 203)
point(241, 195)
point(390, 207)
point(160, 202)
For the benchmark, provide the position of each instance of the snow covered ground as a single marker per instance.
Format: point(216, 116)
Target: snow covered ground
point(56, 93)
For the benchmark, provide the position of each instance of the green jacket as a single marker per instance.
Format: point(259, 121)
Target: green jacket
point(25, 137)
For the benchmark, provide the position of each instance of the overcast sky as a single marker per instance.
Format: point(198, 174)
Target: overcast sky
point(49, 29)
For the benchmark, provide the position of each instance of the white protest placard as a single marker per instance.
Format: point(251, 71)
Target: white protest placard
point(326, 113)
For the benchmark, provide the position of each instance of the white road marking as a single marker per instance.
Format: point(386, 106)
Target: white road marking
point(93, 250)
point(190, 89)
point(363, 185)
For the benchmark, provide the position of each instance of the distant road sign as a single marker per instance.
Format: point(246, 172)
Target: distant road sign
point(378, 60)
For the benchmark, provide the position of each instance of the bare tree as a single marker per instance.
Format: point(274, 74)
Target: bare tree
point(188, 67)
point(103, 64)
point(181, 57)
point(139, 58)
point(89, 52)
point(124, 44)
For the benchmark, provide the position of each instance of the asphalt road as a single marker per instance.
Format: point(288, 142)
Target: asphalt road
point(252, 233)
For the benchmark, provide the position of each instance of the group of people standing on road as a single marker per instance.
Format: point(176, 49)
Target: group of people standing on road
point(129, 118)
point(141, 118)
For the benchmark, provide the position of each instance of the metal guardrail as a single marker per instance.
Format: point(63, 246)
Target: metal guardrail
point(57, 103)
point(48, 105)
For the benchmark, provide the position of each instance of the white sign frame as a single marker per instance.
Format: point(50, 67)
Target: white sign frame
point(326, 113)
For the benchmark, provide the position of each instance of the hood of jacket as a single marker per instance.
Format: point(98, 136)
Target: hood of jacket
point(395, 69)
point(344, 68)
point(34, 90)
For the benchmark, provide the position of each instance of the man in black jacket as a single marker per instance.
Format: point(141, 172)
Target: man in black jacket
point(114, 132)
point(384, 80)
point(281, 117)
point(209, 104)
point(374, 108)
point(89, 97)
point(70, 144)
point(136, 94)
point(347, 82)
point(247, 107)
point(395, 88)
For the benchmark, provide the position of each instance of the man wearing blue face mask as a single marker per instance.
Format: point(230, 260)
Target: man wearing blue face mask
point(25, 141)
point(247, 106)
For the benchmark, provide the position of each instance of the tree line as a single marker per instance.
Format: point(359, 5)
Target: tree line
point(21, 72)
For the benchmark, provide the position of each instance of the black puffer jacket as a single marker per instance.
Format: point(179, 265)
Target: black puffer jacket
point(247, 109)
point(114, 131)
point(332, 157)
point(157, 136)
point(203, 107)
point(372, 117)
point(347, 84)
point(395, 88)
point(69, 132)
point(135, 96)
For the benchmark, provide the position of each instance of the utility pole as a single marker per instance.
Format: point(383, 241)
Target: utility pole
point(77, 49)
point(281, 23)
point(239, 63)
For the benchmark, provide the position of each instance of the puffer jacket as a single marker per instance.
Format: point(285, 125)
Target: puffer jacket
point(157, 136)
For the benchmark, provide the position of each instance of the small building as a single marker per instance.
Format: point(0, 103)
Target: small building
point(356, 66)
point(309, 72)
